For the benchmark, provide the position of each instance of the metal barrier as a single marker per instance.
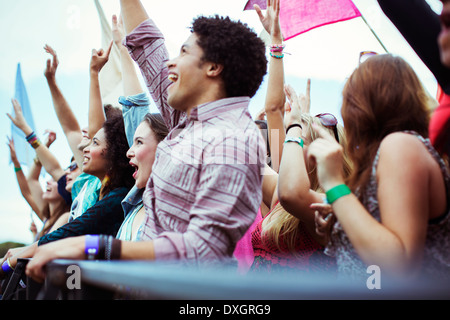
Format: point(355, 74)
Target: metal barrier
point(17, 286)
point(156, 280)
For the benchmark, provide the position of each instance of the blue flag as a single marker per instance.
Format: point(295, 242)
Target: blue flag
point(25, 153)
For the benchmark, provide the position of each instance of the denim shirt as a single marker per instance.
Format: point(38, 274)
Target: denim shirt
point(134, 108)
point(132, 200)
point(130, 204)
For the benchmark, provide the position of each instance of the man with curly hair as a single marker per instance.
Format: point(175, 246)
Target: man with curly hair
point(206, 183)
point(205, 189)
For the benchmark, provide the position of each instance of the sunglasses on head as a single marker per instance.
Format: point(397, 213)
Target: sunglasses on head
point(72, 167)
point(328, 120)
point(364, 55)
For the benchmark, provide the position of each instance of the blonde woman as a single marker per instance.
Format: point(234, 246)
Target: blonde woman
point(286, 240)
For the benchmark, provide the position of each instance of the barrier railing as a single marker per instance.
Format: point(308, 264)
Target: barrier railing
point(157, 280)
point(85, 280)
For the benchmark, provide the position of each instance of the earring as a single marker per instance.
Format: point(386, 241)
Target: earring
point(105, 180)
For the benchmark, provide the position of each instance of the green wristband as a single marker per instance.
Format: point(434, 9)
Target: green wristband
point(296, 140)
point(335, 193)
point(17, 169)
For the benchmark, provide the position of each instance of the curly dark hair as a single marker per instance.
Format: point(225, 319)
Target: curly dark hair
point(119, 170)
point(237, 48)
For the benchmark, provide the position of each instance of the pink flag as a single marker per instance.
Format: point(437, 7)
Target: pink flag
point(298, 16)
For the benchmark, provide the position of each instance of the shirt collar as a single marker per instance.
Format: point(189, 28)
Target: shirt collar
point(210, 110)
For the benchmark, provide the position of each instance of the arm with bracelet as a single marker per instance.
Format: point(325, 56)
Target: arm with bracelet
point(22, 180)
point(46, 158)
point(86, 247)
point(275, 98)
point(295, 190)
point(394, 243)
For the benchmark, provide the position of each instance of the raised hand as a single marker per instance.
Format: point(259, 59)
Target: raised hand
point(100, 58)
point(19, 120)
point(305, 99)
point(50, 138)
point(52, 64)
point(293, 112)
point(12, 151)
point(270, 21)
point(118, 31)
point(327, 153)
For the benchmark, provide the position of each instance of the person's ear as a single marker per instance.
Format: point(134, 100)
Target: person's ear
point(214, 69)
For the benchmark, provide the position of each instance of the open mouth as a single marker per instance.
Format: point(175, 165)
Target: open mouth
point(173, 77)
point(136, 168)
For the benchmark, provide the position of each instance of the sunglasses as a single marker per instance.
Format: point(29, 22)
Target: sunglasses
point(72, 167)
point(364, 55)
point(328, 120)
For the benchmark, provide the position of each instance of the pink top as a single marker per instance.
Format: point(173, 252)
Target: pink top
point(244, 248)
point(206, 183)
point(306, 248)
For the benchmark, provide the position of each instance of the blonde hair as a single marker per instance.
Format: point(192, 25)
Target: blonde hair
point(280, 223)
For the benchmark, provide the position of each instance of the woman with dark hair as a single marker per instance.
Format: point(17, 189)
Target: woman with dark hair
point(392, 211)
point(106, 159)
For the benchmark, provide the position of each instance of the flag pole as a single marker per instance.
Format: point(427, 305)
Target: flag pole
point(373, 32)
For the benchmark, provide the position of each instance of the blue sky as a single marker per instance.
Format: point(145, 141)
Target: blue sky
point(327, 55)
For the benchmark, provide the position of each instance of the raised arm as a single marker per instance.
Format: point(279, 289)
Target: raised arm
point(146, 46)
point(294, 186)
point(133, 13)
point(275, 98)
point(96, 111)
point(130, 80)
point(45, 156)
point(135, 102)
point(420, 26)
point(22, 180)
point(66, 117)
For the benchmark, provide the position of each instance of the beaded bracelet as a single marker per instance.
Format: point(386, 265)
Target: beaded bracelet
point(277, 48)
point(337, 192)
point(277, 56)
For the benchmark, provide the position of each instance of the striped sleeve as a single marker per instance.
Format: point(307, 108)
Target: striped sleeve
point(147, 48)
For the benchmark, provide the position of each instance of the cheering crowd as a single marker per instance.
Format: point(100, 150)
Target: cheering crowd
point(203, 182)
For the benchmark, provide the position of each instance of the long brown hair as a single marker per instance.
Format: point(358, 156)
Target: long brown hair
point(51, 217)
point(382, 96)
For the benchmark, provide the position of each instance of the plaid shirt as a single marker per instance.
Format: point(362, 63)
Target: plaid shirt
point(206, 183)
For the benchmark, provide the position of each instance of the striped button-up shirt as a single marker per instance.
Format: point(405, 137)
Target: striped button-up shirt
point(206, 183)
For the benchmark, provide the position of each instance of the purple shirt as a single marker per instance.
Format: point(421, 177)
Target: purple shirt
point(206, 183)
